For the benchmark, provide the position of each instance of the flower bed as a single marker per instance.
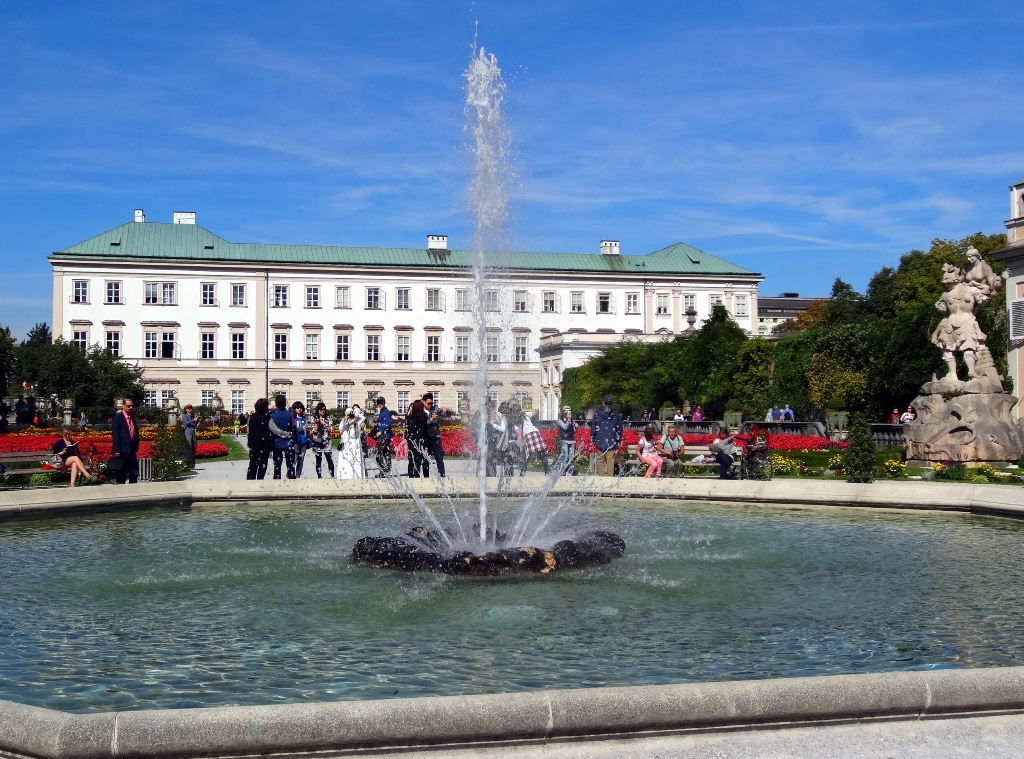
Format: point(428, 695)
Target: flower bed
point(210, 450)
point(96, 447)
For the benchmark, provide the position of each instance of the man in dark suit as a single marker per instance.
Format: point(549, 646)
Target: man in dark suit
point(124, 431)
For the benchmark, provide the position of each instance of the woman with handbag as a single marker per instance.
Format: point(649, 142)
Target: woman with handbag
point(350, 449)
point(320, 439)
point(66, 456)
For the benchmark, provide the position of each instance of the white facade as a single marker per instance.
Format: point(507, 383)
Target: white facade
point(246, 329)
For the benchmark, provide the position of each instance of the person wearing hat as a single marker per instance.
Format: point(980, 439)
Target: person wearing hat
point(383, 437)
point(606, 435)
point(567, 433)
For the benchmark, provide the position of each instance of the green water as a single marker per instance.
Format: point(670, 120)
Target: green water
point(234, 605)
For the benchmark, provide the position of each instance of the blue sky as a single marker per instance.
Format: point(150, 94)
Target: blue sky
point(802, 140)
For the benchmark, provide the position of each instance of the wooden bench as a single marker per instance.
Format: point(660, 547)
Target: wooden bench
point(25, 457)
point(631, 463)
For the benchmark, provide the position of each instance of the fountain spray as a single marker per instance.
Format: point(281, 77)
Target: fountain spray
point(488, 190)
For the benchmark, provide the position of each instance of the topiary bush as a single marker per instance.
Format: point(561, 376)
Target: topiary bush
point(859, 461)
point(734, 406)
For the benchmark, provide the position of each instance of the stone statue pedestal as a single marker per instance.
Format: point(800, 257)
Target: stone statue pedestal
point(955, 423)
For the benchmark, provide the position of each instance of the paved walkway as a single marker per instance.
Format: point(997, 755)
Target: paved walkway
point(1000, 737)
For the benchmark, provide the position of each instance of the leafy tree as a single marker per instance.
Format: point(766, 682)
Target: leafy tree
point(31, 351)
point(709, 360)
point(64, 371)
point(115, 379)
point(752, 383)
point(8, 359)
point(859, 457)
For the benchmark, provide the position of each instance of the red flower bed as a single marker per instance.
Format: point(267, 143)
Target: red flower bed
point(210, 450)
point(44, 444)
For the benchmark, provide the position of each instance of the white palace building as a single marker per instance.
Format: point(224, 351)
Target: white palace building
point(206, 317)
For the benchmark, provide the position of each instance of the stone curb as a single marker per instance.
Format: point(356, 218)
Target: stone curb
point(305, 729)
point(1002, 500)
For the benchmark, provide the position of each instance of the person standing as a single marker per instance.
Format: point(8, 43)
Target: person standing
point(383, 436)
point(698, 414)
point(350, 446)
point(606, 435)
point(261, 441)
point(282, 425)
point(434, 447)
point(416, 439)
point(894, 417)
point(188, 426)
point(124, 432)
point(567, 434)
point(787, 414)
point(320, 439)
point(533, 444)
point(301, 436)
point(908, 415)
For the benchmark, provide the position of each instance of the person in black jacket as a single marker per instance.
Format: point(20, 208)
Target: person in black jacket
point(416, 439)
point(434, 417)
point(261, 441)
point(124, 431)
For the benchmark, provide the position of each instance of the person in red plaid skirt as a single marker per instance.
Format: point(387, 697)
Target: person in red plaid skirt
point(532, 443)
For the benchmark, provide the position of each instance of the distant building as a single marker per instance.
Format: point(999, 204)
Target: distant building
point(1013, 256)
point(207, 318)
point(774, 311)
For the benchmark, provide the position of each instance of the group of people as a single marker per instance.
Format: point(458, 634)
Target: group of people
point(680, 416)
point(509, 442)
point(285, 434)
point(907, 416)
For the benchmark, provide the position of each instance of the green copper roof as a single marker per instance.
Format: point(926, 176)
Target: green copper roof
point(190, 242)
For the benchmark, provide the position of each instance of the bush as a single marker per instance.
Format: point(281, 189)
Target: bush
point(951, 471)
point(150, 414)
point(859, 461)
point(894, 469)
point(171, 453)
point(734, 406)
point(836, 404)
point(784, 464)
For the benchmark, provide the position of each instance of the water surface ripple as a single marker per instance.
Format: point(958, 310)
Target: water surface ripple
point(259, 605)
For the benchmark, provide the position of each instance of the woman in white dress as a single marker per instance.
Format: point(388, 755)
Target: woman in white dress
point(350, 453)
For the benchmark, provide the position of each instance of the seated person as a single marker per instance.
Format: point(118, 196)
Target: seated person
point(671, 448)
point(724, 450)
point(67, 451)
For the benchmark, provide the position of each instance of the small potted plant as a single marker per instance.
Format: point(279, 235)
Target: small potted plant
point(734, 415)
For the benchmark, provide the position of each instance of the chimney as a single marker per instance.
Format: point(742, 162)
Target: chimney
point(140, 216)
point(184, 217)
point(609, 247)
point(437, 242)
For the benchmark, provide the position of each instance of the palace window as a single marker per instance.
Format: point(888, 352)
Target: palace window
point(433, 347)
point(740, 305)
point(80, 338)
point(521, 348)
point(632, 303)
point(401, 299)
point(237, 295)
point(576, 303)
point(113, 292)
point(520, 301)
point(341, 297)
point(689, 301)
point(312, 398)
point(402, 401)
point(150, 345)
point(550, 302)
point(312, 347)
point(461, 350)
point(313, 297)
point(280, 296)
point(492, 348)
point(402, 344)
point(207, 341)
point(167, 345)
point(208, 294)
point(149, 397)
point(152, 293)
point(114, 342)
point(237, 345)
point(605, 303)
point(491, 300)
point(462, 300)
point(661, 300)
point(373, 347)
point(237, 401)
point(281, 346)
point(716, 300)
point(435, 300)
point(81, 291)
point(341, 354)
point(341, 399)
point(205, 397)
point(167, 293)
point(373, 298)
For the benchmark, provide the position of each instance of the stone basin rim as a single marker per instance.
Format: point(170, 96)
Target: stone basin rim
point(508, 719)
point(992, 500)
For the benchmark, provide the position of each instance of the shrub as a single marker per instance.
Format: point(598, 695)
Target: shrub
point(40, 479)
point(835, 461)
point(859, 457)
point(171, 453)
point(894, 469)
point(951, 471)
point(836, 404)
point(734, 406)
point(784, 464)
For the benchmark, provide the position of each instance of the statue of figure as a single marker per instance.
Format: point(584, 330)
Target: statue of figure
point(980, 276)
point(959, 331)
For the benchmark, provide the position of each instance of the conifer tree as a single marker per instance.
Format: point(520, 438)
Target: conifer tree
point(859, 457)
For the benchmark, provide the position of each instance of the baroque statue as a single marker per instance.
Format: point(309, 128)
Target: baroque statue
point(965, 420)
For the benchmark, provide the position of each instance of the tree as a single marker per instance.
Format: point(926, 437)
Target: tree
point(115, 379)
point(859, 456)
point(31, 351)
point(64, 371)
point(8, 359)
point(709, 361)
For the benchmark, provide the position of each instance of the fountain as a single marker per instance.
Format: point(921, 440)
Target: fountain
point(488, 552)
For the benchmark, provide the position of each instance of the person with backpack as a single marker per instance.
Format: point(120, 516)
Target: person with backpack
point(382, 436)
point(282, 425)
point(301, 436)
point(261, 441)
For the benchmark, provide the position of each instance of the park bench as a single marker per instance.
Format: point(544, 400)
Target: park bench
point(33, 461)
point(630, 463)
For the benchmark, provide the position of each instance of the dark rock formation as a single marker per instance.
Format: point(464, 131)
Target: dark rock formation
point(419, 551)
